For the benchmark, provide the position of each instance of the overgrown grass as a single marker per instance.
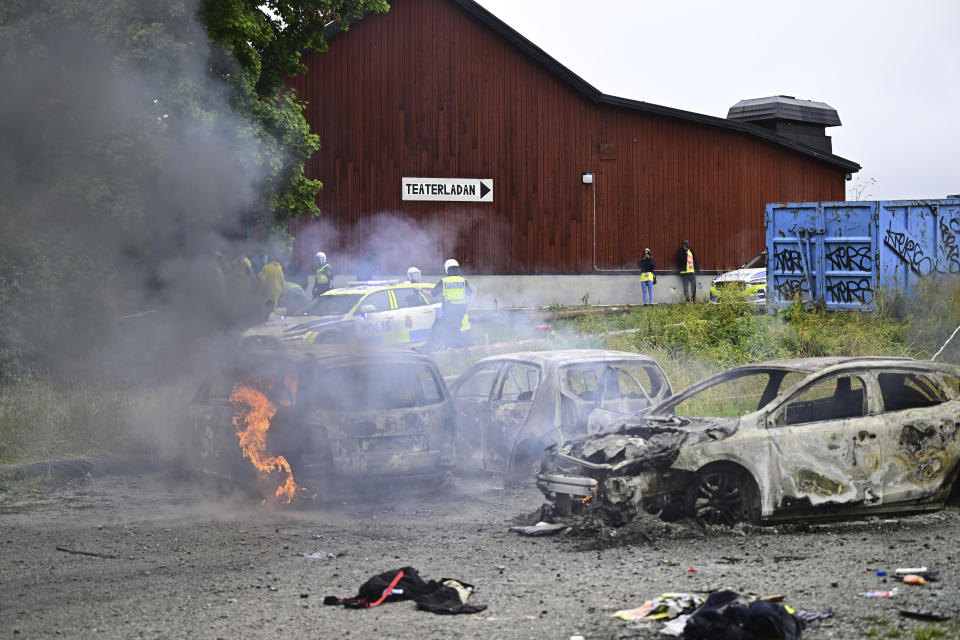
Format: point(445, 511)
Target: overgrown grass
point(692, 341)
point(41, 419)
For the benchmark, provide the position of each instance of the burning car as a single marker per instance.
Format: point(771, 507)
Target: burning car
point(306, 419)
point(751, 279)
point(511, 407)
point(812, 438)
point(369, 312)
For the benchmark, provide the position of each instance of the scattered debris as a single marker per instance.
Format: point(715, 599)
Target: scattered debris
point(321, 555)
point(924, 615)
point(87, 553)
point(664, 607)
point(448, 596)
point(540, 529)
point(875, 593)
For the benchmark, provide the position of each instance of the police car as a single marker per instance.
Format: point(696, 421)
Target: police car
point(751, 278)
point(369, 312)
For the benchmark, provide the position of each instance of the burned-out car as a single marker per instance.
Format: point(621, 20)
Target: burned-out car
point(511, 407)
point(811, 438)
point(306, 419)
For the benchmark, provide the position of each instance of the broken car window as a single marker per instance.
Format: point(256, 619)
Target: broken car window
point(478, 385)
point(518, 383)
point(833, 398)
point(908, 391)
point(583, 380)
point(371, 388)
point(730, 397)
point(428, 382)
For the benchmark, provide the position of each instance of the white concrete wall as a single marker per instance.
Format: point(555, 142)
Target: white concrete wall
point(541, 291)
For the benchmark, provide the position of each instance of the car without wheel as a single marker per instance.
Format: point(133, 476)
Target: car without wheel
point(813, 438)
point(511, 407)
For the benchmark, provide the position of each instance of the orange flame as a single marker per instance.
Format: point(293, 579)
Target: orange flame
point(252, 424)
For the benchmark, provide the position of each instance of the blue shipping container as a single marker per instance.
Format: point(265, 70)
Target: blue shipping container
point(841, 254)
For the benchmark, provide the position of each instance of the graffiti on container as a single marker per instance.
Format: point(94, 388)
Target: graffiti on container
point(948, 238)
point(910, 250)
point(851, 290)
point(791, 288)
point(788, 260)
point(847, 257)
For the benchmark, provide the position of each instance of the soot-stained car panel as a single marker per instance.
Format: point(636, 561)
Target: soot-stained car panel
point(325, 417)
point(510, 407)
point(791, 439)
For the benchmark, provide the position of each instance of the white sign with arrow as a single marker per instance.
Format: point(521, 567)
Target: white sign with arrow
point(448, 189)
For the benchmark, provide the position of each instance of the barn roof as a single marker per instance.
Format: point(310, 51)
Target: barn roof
point(595, 95)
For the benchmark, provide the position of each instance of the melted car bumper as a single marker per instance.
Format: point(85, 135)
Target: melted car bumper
point(555, 483)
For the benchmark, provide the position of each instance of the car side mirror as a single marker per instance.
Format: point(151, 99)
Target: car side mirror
point(367, 308)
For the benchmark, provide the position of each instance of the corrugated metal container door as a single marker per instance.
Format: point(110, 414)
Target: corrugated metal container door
point(842, 254)
point(821, 251)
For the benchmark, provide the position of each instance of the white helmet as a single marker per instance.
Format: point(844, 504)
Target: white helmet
point(413, 274)
point(321, 258)
point(449, 264)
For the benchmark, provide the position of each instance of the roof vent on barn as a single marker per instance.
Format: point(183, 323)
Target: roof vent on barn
point(803, 121)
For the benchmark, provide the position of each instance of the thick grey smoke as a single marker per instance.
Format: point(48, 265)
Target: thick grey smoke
point(122, 171)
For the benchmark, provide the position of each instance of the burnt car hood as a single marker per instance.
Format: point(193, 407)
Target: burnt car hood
point(653, 443)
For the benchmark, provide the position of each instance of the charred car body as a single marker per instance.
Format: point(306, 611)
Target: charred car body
point(812, 438)
point(511, 407)
point(318, 418)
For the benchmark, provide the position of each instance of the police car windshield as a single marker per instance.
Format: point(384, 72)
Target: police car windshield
point(332, 305)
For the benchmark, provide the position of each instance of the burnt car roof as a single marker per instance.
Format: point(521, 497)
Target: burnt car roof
point(560, 357)
point(811, 365)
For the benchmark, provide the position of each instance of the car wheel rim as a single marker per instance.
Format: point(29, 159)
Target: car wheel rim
point(718, 500)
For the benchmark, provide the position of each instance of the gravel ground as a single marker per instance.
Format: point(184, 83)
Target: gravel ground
point(184, 564)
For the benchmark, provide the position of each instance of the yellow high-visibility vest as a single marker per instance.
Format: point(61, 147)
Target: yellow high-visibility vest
point(646, 276)
point(454, 290)
point(323, 274)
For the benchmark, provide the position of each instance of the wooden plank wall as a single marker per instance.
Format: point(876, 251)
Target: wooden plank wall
point(428, 91)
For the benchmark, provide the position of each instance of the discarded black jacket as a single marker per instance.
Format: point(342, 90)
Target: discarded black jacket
point(406, 584)
point(725, 615)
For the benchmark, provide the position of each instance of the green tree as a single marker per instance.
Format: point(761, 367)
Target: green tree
point(137, 136)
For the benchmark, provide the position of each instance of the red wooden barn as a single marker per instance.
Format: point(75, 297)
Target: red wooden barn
point(443, 89)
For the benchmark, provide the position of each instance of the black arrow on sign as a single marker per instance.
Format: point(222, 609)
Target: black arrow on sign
point(484, 190)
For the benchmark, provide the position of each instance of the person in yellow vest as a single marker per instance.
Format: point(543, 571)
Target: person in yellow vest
point(646, 265)
point(324, 276)
point(453, 290)
point(688, 271)
point(271, 279)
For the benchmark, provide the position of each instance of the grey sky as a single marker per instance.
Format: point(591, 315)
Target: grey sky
point(891, 69)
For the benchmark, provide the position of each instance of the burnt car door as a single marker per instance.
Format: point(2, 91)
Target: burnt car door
point(513, 395)
point(924, 442)
point(471, 395)
point(827, 441)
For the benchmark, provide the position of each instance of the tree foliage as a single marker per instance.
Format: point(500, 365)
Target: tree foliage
point(138, 134)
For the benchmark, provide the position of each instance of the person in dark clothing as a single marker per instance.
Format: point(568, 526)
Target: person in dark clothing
point(646, 265)
point(687, 260)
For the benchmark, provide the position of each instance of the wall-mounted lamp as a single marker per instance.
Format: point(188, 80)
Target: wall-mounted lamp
point(587, 177)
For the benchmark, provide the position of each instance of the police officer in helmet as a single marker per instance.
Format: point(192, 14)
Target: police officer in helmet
point(453, 290)
point(324, 275)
